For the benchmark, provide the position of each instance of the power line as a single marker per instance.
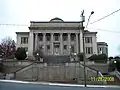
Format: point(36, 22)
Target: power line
point(86, 28)
point(13, 25)
point(105, 16)
point(105, 30)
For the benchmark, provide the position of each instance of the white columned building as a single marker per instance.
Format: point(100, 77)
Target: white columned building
point(57, 37)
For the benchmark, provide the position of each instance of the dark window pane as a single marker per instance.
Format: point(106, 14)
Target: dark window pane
point(88, 39)
point(72, 37)
point(72, 48)
point(56, 37)
point(65, 36)
point(48, 38)
point(41, 38)
point(24, 40)
point(65, 46)
point(48, 47)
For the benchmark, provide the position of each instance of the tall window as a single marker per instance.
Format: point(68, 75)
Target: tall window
point(65, 36)
point(56, 37)
point(72, 48)
point(89, 50)
point(65, 47)
point(72, 36)
point(24, 40)
point(48, 37)
point(40, 37)
point(48, 47)
point(88, 39)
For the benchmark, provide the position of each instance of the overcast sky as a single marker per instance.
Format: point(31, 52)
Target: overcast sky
point(24, 11)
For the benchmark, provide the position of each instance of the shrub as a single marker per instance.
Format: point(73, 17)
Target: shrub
point(110, 58)
point(98, 58)
point(112, 65)
point(20, 54)
point(116, 57)
point(93, 57)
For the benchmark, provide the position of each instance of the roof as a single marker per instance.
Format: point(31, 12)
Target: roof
point(86, 31)
point(56, 19)
point(22, 32)
point(102, 43)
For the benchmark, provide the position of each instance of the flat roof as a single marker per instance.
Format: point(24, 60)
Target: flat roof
point(22, 32)
point(55, 22)
point(102, 43)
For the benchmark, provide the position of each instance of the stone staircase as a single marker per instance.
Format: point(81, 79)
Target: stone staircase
point(116, 78)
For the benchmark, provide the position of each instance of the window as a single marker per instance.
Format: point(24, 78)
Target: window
point(24, 40)
point(88, 39)
point(48, 47)
point(65, 37)
point(89, 50)
point(65, 47)
point(72, 37)
point(41, 38)
point(48, 37)
point(72, 48)
point(56, 37)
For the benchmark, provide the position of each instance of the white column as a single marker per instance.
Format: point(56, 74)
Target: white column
point(30, 43)
point(69, 45)
point(52, 43)
point(36, 41)
point(44, 42)
point(77, 48)
point(81, 41)
point(61, 43)
point(94, 43)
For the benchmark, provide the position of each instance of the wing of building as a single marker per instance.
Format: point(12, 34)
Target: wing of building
point(58, 37)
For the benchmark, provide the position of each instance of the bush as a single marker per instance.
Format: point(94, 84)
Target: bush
point(80, 56)
point(116, 57)
point(112, 65)
point(98, 58)
point(110, 58)
point(20, 54)
point(93, 57)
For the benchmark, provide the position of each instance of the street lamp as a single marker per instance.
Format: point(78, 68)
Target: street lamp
point(84, 59)
point(89, 18)
point(38, 56)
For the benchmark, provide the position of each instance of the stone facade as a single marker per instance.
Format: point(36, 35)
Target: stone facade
point(58, 37)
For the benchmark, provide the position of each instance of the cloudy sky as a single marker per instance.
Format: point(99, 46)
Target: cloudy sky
point(23, 11)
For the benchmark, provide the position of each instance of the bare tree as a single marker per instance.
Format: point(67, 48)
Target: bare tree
point(7, 47)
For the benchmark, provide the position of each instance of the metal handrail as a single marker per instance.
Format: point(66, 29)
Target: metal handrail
point(23, 68)
point(117, 74)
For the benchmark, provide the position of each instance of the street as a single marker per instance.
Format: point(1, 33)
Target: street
point(4, 85)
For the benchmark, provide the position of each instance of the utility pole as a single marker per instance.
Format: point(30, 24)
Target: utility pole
point(83, 38)
point(83, 20)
